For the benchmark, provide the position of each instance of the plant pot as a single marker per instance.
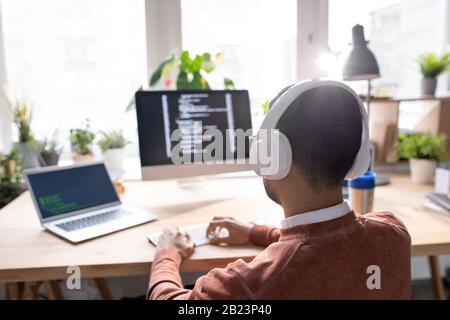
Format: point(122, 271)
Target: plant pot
point(51, 159)
point(429, 86)
point(422, 170)
point(114, 159)
point(9, 191)
point(29, 157)
point(82, 157)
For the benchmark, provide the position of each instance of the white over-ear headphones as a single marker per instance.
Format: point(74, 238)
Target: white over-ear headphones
point(270, 150)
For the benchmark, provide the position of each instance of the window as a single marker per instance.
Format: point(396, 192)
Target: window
point(340, 23)
point(398, 31)
point(75, 59)
point(257, 38)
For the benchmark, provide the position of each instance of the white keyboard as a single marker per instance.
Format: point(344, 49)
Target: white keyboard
point(197, 233)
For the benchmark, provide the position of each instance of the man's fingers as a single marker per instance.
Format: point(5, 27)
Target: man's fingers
point(170, 230)
point(216, 224)
point(213, 240)
point(217, 240)
point(213, 225)
point(190, 248)
point(222, 218)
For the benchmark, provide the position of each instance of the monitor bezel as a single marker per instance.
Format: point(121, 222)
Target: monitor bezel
point(173, 171)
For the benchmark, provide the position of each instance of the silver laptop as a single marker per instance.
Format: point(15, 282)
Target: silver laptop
point(79, 202)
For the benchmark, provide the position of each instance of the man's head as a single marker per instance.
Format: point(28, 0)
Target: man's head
point(324, 127)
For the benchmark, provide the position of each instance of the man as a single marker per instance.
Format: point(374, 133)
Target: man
point(323, 250)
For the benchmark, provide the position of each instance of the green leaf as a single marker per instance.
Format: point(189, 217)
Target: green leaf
point(207, 64)
point(185, 62)
point(431, 65)
point(156, 76)
point(198, 82)
point(23, 116)
point(196, 64)
point(81, 139)
point(265, 106)
point(190, 72)
point(112, 140)
point(422, 146)
point(182, 81)
point(228, 84)
point(132, 104)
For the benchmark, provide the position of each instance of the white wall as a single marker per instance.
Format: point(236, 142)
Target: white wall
point(400, 32)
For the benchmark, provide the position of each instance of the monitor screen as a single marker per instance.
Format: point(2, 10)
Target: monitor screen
point(76, 188)
point(191, 113)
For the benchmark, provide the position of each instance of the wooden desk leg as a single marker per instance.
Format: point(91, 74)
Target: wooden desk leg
point(438, 285)
point(31, 290)
point(53, 290)
point(103, 288)
point(16, 290)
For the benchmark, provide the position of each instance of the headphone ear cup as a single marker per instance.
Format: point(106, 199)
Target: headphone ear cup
point(271, 158)
point(284, 158)
point(253, 155)
point(362, 160)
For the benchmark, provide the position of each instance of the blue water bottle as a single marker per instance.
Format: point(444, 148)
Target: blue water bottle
point(361, 193)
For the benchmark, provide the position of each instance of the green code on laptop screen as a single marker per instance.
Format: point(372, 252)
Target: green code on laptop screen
point(72, 189)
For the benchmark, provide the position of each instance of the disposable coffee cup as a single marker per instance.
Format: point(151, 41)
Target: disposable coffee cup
point(361, 192)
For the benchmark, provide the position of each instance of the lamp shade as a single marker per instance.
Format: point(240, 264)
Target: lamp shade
point(360, 63)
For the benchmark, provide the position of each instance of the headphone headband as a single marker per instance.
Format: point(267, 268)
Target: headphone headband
point(279, 107)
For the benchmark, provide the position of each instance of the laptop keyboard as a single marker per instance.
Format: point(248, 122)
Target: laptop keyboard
point(92, 220)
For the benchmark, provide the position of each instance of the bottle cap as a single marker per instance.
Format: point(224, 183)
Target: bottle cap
point(364, 182)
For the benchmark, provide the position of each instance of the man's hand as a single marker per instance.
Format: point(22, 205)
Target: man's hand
point(238, 232)
point(173, 239)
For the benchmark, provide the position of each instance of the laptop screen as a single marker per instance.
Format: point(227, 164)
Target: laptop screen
point(62, 191)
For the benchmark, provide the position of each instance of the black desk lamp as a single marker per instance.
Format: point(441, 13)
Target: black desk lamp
point(361, 64)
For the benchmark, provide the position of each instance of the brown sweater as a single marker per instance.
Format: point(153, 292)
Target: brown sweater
point(327, 260)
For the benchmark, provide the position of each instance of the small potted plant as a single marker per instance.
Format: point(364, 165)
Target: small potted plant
point(81, 140)
point(431, 67)
point(112, 145)
point(183, 71)
point(49, 150)
point(11, 184)
point(22, 115)
point(423, 151)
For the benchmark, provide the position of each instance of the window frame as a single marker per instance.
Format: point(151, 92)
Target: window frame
point(163, 22)
point(163, 34)
point(5, 122)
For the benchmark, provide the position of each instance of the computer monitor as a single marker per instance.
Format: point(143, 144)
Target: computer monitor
point(177, 132)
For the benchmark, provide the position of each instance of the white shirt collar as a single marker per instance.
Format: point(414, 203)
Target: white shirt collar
point(316, 216)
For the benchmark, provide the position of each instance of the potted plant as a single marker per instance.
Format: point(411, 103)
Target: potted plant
point(180, 71)
point(81, 140)
point(423, 151)
point(22, 116)
point(431, 67)
point(49, 150)
point(112, 145)
point(11, 185)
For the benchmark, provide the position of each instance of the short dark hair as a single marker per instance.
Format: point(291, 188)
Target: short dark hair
point(324, 128)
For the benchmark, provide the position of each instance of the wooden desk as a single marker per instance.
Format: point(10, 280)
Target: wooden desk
point(28, 253)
